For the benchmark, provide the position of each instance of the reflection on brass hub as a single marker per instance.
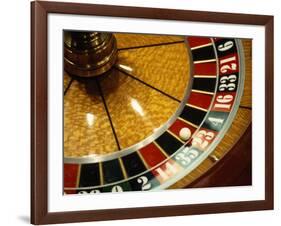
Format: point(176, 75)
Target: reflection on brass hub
point(88, 54)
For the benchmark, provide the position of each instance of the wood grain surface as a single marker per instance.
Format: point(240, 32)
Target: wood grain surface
point(134, 92)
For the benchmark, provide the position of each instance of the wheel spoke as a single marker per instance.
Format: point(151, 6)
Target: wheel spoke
point(151, 45)
point(146, 84)
point(68, 86)
point(108, 114)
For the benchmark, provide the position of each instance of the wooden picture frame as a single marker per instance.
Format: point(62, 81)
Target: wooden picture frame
point(39, 111)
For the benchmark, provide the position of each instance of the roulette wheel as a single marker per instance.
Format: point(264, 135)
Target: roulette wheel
point(152, 112)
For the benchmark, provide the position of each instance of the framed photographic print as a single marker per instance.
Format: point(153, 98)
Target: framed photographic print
point(145, 112)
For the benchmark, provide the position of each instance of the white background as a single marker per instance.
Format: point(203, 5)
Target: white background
point(15, 114)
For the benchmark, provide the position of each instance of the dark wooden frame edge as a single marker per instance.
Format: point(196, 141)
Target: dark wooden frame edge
point(39, 107)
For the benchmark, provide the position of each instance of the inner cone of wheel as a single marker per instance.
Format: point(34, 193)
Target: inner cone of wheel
point(89, 54)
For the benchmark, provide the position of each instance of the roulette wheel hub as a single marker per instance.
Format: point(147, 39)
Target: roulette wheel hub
point(89, 54)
